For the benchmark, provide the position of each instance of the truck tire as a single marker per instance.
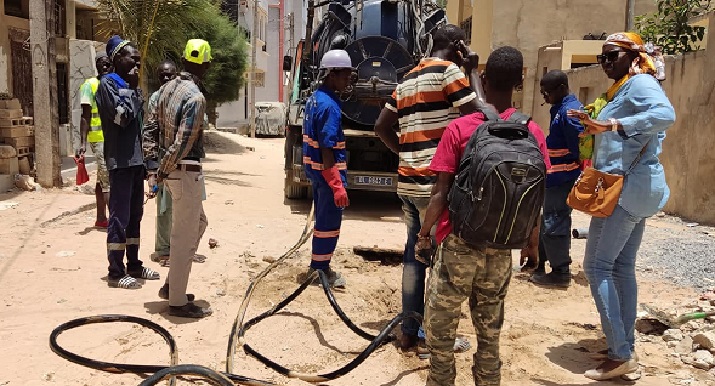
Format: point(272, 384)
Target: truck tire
point(294, 191)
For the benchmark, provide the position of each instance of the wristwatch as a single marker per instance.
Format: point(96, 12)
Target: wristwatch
point(615, 127)
point(614, 124)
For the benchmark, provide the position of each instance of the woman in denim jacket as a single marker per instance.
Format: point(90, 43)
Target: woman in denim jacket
point(629, 130)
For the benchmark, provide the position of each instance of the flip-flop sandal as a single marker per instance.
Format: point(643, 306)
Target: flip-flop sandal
point(159, 258)
point(127, 282)
point(196, 259)
point(146, 273)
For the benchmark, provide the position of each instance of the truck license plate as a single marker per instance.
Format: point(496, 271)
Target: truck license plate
point(376, 181)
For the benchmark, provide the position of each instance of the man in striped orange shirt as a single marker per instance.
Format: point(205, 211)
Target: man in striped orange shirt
point(428, 98)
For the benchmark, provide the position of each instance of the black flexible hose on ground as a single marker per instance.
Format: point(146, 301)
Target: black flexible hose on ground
point(376, 340)
point(119, 368)
point(379, 340)
point(237, 333)
point(234, 338)
point(331, 298)
point(204, 372)
point(110, 366)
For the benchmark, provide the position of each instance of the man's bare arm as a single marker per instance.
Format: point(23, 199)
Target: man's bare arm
point(384, 129)
point(84, 127)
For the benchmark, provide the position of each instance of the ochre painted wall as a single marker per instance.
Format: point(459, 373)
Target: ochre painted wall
point(688, 155)
point(528, 25)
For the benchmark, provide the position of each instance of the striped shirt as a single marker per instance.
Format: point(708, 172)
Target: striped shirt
point(426, 100)
point(179, 112)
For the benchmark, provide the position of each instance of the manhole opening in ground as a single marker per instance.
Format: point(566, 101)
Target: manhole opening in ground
point(384, 256)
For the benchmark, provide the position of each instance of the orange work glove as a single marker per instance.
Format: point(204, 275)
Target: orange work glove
point(340, 195)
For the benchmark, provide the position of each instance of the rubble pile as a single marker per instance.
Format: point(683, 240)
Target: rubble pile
point(692, 342)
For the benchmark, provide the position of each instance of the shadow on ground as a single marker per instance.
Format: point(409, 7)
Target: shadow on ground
point(364, 206)
point(161, 307)
point(577, 357)
point(318, 333)
point(404, 374)
point(222, 144)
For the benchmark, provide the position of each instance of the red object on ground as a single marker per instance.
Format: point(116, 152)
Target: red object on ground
point(82, 175)
point(101, 224)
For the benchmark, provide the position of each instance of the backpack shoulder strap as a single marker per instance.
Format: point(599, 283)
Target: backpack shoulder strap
point(490, 114)
point(518, 117)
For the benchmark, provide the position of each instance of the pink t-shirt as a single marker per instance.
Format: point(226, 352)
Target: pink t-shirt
point(451, 147)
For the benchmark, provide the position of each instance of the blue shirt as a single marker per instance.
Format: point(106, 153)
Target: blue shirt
point(121, 110)
point(645, 112)
point(322, 129)
point(562, 143)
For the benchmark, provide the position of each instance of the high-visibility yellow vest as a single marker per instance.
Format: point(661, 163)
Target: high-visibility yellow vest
point(95, 134)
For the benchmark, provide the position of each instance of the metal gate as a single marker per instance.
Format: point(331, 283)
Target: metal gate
point(21, 64)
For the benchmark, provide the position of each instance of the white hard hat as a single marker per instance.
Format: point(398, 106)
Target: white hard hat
point(335, 59)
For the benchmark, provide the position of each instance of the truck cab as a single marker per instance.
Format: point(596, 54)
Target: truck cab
point(382, 39)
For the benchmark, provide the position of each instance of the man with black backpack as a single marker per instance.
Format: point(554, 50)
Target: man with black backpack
point(491, 173)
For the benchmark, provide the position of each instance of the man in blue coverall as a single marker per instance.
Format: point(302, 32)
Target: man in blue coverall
point(562, 142)
point(325, 161)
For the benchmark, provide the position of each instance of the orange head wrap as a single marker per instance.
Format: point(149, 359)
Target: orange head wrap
point(631, 41)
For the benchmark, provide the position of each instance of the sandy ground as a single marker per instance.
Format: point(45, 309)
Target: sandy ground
point(52, 265)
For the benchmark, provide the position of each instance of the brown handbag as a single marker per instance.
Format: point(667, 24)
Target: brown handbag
point(597, 193)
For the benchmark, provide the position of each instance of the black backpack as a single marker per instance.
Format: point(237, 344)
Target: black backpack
point(498, 191)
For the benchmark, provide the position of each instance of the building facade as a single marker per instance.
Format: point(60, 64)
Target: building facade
point(528, 25)
point(281, 26)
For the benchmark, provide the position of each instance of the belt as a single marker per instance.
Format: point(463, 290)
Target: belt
point(189, 167)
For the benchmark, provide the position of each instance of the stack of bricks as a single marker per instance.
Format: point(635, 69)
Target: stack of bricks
point(17, 142)
point(16, 130)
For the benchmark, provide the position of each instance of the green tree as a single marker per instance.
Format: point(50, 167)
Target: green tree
point(158, 27)
point(225, 77)
point(161, 28)
point(669, 27)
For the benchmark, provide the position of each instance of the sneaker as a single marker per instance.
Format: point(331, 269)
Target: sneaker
point(335, 279)
point(460, 345)
point(407, 342)
point(164, 293)
point(190, 310)
point(423, 350)
point(552, 279)
point(612, 369)
point(101, 224)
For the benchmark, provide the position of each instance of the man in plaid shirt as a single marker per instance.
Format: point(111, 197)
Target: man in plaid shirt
point(173, 146)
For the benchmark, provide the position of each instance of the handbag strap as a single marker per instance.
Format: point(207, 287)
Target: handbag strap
point(640, 155)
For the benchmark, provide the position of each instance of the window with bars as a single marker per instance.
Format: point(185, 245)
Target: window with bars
point(60, 19)
point(16, 8)
point(466, 26)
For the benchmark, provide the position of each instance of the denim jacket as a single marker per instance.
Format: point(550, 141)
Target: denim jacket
point(645, 112)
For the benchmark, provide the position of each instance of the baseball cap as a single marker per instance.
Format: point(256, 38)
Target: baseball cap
point(197, 51)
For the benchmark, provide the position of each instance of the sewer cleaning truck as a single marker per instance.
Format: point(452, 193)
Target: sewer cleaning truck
point(384, 39)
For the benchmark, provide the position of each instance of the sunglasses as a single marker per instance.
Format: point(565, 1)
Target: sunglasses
point(609, 57)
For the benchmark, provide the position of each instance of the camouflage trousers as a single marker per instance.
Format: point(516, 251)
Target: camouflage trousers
point(483, 276)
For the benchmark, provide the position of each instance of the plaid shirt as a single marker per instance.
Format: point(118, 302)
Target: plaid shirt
point(174, 128)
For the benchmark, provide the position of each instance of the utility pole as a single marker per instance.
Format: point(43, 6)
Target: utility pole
point(630, 14)
point(44, 90)
point(291, 46)
point(252, 74)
